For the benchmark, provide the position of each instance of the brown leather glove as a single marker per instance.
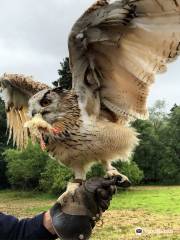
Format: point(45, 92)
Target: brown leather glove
point(77, 217)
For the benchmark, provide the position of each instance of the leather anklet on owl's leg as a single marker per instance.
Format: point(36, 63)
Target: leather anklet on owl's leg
point(122, 180)
point(79, 173)
point(80, 176)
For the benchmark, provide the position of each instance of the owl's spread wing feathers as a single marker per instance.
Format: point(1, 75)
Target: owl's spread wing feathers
point(116, 50)
point(16, 91)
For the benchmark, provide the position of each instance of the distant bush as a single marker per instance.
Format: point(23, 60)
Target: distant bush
point(24, 168)
point(96, 170)
point(3, 146)
point(55, 177)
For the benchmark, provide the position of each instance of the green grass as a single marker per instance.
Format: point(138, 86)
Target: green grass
point(10, 194)
point(163, 200)
point(152, 208)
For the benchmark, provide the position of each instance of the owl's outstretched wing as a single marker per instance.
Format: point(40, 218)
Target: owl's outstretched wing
point(116, 49)
point(16, 91)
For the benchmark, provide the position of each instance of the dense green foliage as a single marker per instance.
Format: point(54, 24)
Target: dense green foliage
point(65, 76)
point(55, 177)
point(96, 170)
point(158, 154)
point(24, 168)
point(3, 146)
point(147, 154)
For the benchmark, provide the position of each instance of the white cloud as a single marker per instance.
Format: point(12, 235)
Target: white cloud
point(167, 86)
point(33, 40)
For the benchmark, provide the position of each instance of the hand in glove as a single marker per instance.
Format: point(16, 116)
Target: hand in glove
point(80, 212)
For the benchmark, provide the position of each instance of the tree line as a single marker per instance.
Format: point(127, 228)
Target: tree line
point(155, 161)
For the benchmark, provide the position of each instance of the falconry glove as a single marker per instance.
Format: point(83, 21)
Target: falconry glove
point(78, 216)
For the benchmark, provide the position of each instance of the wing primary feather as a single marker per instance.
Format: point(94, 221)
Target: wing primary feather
point(122, 46)
point(16, 90)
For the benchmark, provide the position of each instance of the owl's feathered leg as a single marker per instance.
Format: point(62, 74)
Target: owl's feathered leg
point(122, 180)
point(80, 175)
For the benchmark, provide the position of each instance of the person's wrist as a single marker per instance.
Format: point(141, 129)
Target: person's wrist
point(47, 222)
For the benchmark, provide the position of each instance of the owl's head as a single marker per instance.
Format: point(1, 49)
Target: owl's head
point(53, 104)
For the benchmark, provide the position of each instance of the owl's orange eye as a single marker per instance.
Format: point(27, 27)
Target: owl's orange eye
point(45, 102)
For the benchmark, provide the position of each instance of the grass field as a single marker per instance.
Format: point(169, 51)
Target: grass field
point(155, 209)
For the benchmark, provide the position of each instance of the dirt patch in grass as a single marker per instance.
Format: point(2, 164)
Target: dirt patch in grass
point(23, 205)
point(121, 225)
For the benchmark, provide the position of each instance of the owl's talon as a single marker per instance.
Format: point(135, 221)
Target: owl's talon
point(121, 180)
point(112, 172)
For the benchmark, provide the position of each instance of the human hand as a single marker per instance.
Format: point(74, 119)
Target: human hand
point(47, 223)
point(79, 214)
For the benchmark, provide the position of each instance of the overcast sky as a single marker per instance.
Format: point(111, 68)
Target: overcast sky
point(33, 40)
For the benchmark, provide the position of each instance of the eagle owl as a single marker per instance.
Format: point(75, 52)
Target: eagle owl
point(115, 50)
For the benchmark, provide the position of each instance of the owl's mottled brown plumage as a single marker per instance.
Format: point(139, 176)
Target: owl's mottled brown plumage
point(115, 51)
